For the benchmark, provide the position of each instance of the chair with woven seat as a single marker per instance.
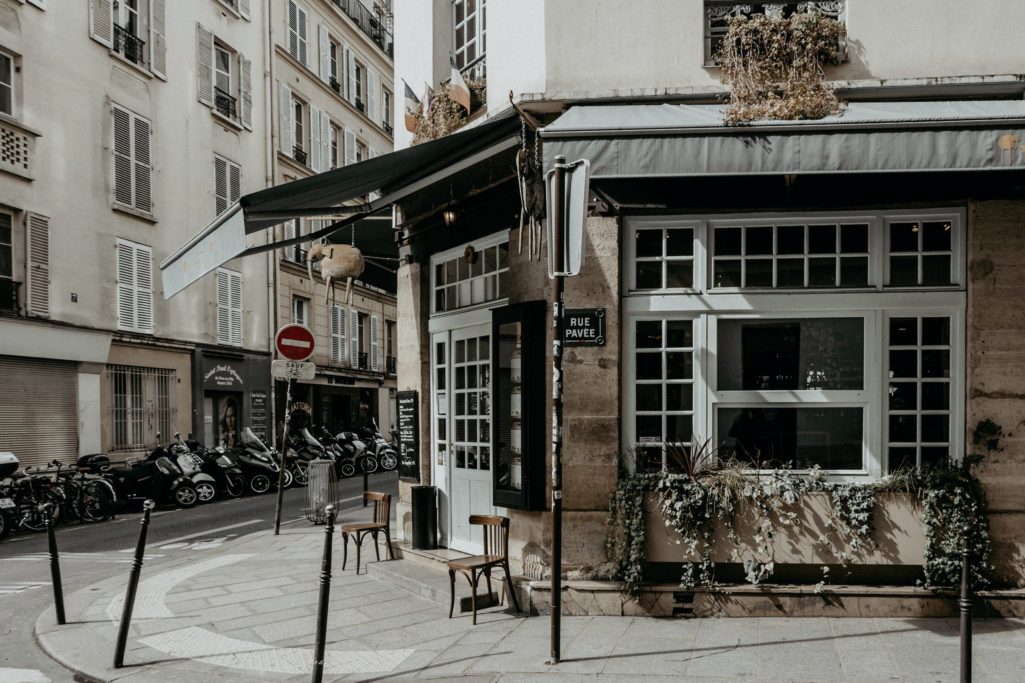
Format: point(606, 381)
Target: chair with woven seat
point(496, 554)
point(382, 522)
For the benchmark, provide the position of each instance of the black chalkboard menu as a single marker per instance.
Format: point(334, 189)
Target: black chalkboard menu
point(409, 435)
point(258, 413)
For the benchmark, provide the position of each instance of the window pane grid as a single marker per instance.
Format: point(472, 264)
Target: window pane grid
point(815, 255)
point(919, 391)
point(459, 283)
point(920, 253)
point(664, 390)
point(663, 258)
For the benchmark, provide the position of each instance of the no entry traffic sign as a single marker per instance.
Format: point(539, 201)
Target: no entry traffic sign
point(294, 342)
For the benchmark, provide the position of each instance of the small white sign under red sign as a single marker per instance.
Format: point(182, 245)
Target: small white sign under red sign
point(294, 342)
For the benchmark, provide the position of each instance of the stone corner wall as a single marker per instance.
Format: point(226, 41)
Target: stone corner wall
point(996, 369)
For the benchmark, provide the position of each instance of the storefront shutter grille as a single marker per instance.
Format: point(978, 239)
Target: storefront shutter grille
point(39, 410)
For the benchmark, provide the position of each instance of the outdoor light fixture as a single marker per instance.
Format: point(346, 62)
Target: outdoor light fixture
point(450, 216)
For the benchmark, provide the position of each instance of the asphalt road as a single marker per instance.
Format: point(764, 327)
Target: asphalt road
point(92, 552)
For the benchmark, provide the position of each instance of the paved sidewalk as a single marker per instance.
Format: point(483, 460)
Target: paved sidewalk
point(246, 611)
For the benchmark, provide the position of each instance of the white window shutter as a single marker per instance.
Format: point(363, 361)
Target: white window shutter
point(234, 183)
point(158, 38)
point(125, 286)
point(41, 4)
point(235, 291)
point(205, 65)
point(122, 156)
point(37, 263)
point(350, 147)
point(290, 233)
point(375, 342)
point(293, 29)
point(245, 68)
point(324, 43)
point(350, 75)
point(286, 126)
point(325, 141)
point(316, 158)
point(304, 56)
point(101, 21)
point(143, 164)
point(354, 338)
point(337, 334)
point(223, 307)
point(143, 289)
point(373, 83)
point(220, 185)
point(243, 9)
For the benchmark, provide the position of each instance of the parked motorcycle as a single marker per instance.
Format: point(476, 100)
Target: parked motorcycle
point(348, 450)
point(156, 478)
point(8, 466)
point(302, 448)
point(385, 453)
point(222, 468)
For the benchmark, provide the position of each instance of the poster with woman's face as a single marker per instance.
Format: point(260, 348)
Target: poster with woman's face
point(228, 422)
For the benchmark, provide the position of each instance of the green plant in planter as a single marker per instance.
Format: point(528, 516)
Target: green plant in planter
point(987, 434)
point(774, 66)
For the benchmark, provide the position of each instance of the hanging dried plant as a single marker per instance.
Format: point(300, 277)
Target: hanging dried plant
point(774, 67)
point(447, 115)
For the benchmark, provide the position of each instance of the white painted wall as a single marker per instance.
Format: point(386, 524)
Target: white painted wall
point(516, 50)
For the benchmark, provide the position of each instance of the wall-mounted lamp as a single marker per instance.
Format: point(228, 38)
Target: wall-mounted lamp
point(450, 216)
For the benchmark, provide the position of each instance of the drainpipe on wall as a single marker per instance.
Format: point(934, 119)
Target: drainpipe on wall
point(271, 170)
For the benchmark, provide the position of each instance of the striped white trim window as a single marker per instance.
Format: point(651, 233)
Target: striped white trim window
point(227, 183)
point(132, 164)
point(338, 350)
point(134, 287)
point(229, 307)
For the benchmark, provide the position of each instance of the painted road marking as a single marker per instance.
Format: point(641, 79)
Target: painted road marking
point(200, 544)
point(198, 533)
point(20, 586)
point(87, 557)
point(150, 600)
point(22, 676)
point(213, 648)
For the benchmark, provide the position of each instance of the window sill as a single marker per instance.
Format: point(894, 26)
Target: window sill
point(138, 68)
point(15, 123)
point(294, 162)
point(230, 8)
point(135, 330)
point(227, 121)
point(148, 217)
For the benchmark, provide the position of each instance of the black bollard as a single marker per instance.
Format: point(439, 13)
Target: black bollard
point(55, 565)
point(133, 585)
point(965, 604)
point(325, 593)
point(366, 485)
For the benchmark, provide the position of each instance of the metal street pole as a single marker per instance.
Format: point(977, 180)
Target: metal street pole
point(965, 604)
point(133, 586)
point(325, 594)
point(55, 565)
point(557, 246)
point(284, 452)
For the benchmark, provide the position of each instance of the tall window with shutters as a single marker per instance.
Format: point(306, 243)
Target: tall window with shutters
point(135, 30)
point(224, 79)
point(229, 307)
point(132, 164)
point(134, 287)
point(375, 343)
point(298, 24)
point(227, 183)
point(338, 348)
point(37, 277)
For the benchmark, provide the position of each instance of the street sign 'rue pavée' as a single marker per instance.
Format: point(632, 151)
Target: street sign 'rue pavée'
point(584, 327)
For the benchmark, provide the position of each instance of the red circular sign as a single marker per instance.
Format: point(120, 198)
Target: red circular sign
point(294, 342)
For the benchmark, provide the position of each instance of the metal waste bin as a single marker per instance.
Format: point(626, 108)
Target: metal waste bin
point(425, 517)
point(321, 490)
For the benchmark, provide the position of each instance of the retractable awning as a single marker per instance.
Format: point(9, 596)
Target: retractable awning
point(667, 140)
point(325, 195)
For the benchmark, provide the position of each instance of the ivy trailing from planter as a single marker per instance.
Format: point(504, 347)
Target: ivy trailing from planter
point(950, 497)
point(774, 66)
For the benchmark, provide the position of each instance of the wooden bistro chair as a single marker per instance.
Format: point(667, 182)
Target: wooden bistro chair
point(382, 522)
point(496, 554)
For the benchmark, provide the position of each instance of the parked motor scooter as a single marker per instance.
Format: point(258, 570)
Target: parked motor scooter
point(156, 479)
point(222, 468)
point(302, 448)
point(191, 466)
point(356, 457)
point(258, 463)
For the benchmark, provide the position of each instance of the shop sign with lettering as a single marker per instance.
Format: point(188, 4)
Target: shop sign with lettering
point(584, 327)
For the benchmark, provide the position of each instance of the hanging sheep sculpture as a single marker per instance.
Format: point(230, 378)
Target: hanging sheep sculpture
point(337, 262)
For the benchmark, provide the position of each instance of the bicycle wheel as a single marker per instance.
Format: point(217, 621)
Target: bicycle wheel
point(31, 511)
point(95, 501)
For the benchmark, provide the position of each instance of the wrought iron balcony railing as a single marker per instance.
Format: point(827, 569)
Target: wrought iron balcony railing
point(475, 70)
point(225, 103)
point(388, 128)
point(335, 85)
point(372, 24)
point(363, 360)
point(361, 105)
point(299, 154)
point(128, 44)
point(389, 365)
point(9, 296)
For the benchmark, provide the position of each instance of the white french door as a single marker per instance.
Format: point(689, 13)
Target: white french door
point(461, 413)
